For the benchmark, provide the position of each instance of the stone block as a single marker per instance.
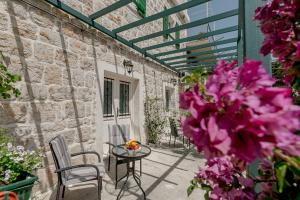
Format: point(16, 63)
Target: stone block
point(52, 37)
point(66, 58)
point(74, 110)
point(60, 93)
point(26, 29)
point(12, 113)
point(89, 80)
point(14, 45)
point(52, 127)
point(53, 75)
point(84, 134)
point(84, 94)
point(44, 112)
point(77, 47)
point(87, 64)
point(33, 92)
point(69, 136)
point(44, 52)
point(3, 22)
point(33, 71)
point(41, 18)
point(17, 9)
point(77, 78)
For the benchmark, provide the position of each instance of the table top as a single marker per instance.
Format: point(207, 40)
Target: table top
point(121, 152)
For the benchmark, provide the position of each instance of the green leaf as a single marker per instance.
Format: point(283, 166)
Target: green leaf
point(280, 169)
point(206, 196)
point(190, 189)
point(206, 187)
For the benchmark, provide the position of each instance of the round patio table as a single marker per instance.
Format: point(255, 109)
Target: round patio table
point(121, 152)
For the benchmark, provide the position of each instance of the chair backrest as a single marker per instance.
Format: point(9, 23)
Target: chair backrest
point(119, 134)
point(60, 155)
point(173, 127)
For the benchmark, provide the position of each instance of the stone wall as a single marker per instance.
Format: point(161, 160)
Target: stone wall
point(56, 55)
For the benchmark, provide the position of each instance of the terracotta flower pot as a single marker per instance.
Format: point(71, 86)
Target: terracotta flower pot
point(8, 196)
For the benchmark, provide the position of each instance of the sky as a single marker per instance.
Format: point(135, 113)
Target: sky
point(213, 8)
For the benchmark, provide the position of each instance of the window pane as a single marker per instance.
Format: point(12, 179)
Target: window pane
point(107, 104)
point(124, 99)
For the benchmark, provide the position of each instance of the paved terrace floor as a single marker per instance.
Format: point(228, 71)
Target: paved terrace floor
point(166, 176)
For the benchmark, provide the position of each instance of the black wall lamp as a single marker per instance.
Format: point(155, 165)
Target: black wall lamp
point(174, 81)
point(128, 66)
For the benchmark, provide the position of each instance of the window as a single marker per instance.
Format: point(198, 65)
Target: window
point(108, 98)
point(168, 98)
point(166, 25)
point(177, 37)
point(141, 7)
point(124, 99)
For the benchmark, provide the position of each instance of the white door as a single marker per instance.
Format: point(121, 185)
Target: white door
point(117, 109)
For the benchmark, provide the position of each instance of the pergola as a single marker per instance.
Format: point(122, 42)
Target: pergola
point(233, 48)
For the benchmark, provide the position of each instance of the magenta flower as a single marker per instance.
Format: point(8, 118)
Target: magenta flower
point(241, 114)
point(279, 23)
point(225, 180)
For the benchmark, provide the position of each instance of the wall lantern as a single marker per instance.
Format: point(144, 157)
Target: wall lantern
point(174, 81)
point(128, 66)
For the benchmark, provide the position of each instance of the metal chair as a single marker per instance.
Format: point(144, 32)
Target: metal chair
point(174, 133)
point(69, 174)
point(118, 135)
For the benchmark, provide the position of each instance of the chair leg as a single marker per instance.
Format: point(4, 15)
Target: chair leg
point(63, 191)
point(58, 190)
point(170, 141)
point(116, 174)
point(141, 167)
point(99, 187)
point(109, 162)
point(174, 141)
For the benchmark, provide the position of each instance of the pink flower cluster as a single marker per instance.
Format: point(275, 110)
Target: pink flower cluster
point(241, 114)
point(226, 182)
point(279, 21)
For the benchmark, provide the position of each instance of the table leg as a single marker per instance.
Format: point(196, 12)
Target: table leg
point(127, 176)
point(137, 180)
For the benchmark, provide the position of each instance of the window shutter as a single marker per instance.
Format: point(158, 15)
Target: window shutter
point(141, 7)
point(166, 25)
point(177, 37)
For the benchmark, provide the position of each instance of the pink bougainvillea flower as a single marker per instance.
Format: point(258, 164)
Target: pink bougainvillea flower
point(240, 114)
point(226, 182)
point(279, 20)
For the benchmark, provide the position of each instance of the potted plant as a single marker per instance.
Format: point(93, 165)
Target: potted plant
point(16, 167)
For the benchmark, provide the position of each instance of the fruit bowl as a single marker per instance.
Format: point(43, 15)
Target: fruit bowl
point(132, 146)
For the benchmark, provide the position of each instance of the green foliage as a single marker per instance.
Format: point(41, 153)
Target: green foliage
point(15, 161)
point(287, 171)
point(198, 76)
point(7, 79)
point(280, 169)
point(196, 184)
point(155, 122)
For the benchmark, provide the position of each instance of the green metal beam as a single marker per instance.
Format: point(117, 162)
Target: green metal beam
point(200, 53)
point(92, 23)
point(195, 65)
point(203, 58)
point(208, 67)
point(110, 8)
point(179, 67)
point(193, 38)
point(188, 25)
point(227, 41)
point(159, 15)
